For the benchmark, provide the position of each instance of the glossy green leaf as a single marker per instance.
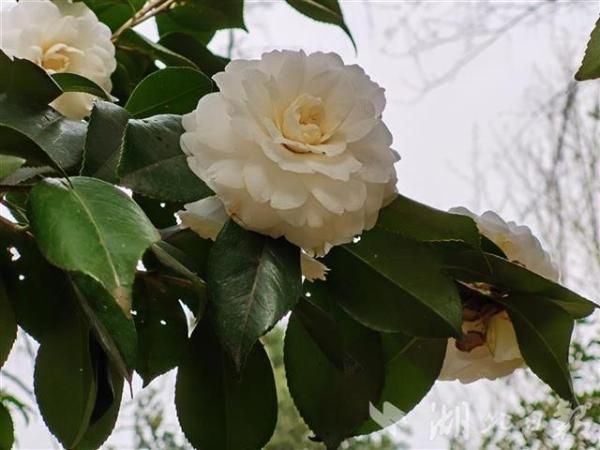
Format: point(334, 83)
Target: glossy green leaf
point(161, 326)
point(59, 138)
point(196, 51)
point(91, 227)
point(22, 79)
point(333, 400)
point(8, 325)
point(173, 90)
point(201, 18)
point(106, 131)
point(64, 380)
point(544, 334)
point(412, 365)
point(132, 41)
point(414, 220)
point(253, 282)
point(468, 266)
point(7, 431)
point(412, 293)
point(590, 66)
point(153, 164)
point(327, 11)
point(72, 82)
point(114, 330)
point(218, 408)
point(9, 165)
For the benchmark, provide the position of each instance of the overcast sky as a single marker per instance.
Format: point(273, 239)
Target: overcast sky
point(442, 133)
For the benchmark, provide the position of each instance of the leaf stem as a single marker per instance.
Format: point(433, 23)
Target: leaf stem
point(150, 9)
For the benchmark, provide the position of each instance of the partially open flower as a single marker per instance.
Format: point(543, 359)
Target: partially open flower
point(489, 347)
point(294, 146)
point(61, 37)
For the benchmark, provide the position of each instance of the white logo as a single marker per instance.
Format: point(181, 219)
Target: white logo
point(389, 416)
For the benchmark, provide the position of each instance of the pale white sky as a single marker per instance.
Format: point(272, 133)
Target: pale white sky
point(435, 133)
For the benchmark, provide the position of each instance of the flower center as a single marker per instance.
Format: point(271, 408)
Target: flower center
point(302, 120)
point(57, 58)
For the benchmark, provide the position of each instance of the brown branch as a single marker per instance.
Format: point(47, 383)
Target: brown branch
point(149, 10)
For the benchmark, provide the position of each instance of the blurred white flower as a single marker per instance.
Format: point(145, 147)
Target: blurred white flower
point(206, 217)
point(294, 146)
point(489, 347)
point(61, 37)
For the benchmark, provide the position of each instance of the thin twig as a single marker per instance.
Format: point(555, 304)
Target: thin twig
point(149, 10)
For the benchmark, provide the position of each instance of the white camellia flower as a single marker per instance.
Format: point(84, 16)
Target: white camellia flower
point(61, 37)
point(489, 347)
point(294, 146)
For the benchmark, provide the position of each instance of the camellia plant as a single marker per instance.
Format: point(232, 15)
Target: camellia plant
point(134, 194)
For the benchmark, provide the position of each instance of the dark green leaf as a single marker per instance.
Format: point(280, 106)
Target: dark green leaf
point(91, 227)
point(36, 310)
point(174, 90)
point(322, 328)
point(333, 400)
point(196, 51)
point(59, 138)
point(132, 41)
point(467, 266)
point(161, 326)
point(132, 67)
point(22, 79)
point(26, 174)
point(162, 214)
point(544, 334)
point(219, 409)
point(110, 392)
point(327, 11)
point(179, 262)
point(114, 13)
point(153, 164)
point(9, 165)
point(414, 220)
point(412, 365)
point(201, 18)
point(7, 432)
point(253, 282)
point(72, 82)
point(390, 283)
point(8, 325)
point(64, 379)
point(193, 245)
point(590, 66)
point(114, 330)
point(106, 131)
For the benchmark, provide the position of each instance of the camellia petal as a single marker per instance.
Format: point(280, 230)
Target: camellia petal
point(294, 146)
point(60, 37)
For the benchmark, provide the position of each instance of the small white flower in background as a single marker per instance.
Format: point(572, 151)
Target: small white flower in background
point(61, 37)
point(294, 146)
point(489, 347)
point(206, 217)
